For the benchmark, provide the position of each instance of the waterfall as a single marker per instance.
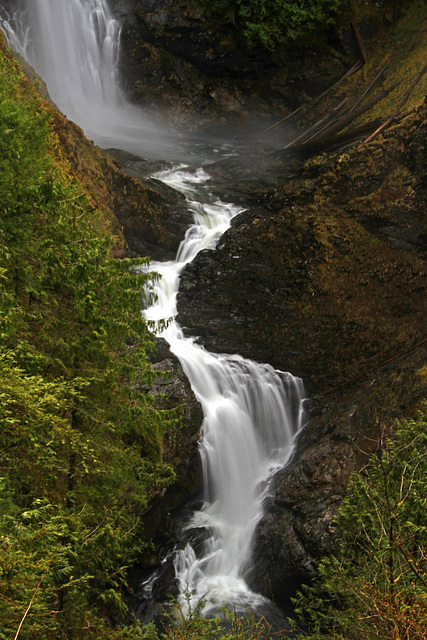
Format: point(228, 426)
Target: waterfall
point(74, 46)
point(75, 50)
point(16, 31)
point(252, 411)
point(251, 416)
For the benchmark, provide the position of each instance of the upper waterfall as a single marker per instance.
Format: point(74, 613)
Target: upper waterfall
point(74, 46)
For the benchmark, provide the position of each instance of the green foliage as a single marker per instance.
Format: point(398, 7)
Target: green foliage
point(274, 22)
point(377, 586)
point(80, 436)
point(188, 624)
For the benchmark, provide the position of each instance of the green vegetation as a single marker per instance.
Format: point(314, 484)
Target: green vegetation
point(80, 436)
point(274, 22)
point(377, 586)
point(284, 22)
point(229, 626)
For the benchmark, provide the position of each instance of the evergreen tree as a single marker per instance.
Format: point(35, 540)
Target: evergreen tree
point(80, 435)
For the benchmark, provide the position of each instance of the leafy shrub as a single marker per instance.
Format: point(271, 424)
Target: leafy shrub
point(228, 625)
point(377, 586)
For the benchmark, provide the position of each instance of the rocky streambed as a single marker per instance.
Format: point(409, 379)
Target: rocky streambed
point(323, 275)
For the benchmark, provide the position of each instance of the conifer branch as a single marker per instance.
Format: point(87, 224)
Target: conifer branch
point(34, 595)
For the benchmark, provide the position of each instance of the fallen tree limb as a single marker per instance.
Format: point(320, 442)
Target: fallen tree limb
point(315, 127)
point(337, 141)
point(400, 106)
point(334, 142)
point(365, 93)
point(333, 122)
point(349, 117)
point(330, 124)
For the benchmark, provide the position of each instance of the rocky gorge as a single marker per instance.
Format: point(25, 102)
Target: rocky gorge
point(323, 274)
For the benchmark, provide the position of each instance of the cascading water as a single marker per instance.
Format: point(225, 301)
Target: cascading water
point(16, 30)
point(252, 412)
point(81, 73)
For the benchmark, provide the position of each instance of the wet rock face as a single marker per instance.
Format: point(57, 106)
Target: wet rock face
point(260, 254)
point(148, 218)
point(172, 389)
point(180, 449)
point(154, 217)
point(174, 56)
point(183, 29)
point(327, 277)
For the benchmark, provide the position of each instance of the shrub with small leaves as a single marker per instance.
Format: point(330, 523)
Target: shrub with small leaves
point(274, 22)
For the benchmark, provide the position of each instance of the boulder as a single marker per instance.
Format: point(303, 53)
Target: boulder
point(326, 277)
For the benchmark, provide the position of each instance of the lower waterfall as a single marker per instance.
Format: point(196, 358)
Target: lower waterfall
point(251, 415)
point(251, 411)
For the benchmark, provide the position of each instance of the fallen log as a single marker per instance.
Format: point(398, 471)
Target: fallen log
point(335, 142)
point(331, 124)
point(306, 105)
point(344, 121)
point(365, 93)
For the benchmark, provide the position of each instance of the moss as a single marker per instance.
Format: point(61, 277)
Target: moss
point(422, 373)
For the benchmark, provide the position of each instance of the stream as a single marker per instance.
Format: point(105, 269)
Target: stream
point(252, 412)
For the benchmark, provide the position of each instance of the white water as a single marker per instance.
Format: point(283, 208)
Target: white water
point(252, 412)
